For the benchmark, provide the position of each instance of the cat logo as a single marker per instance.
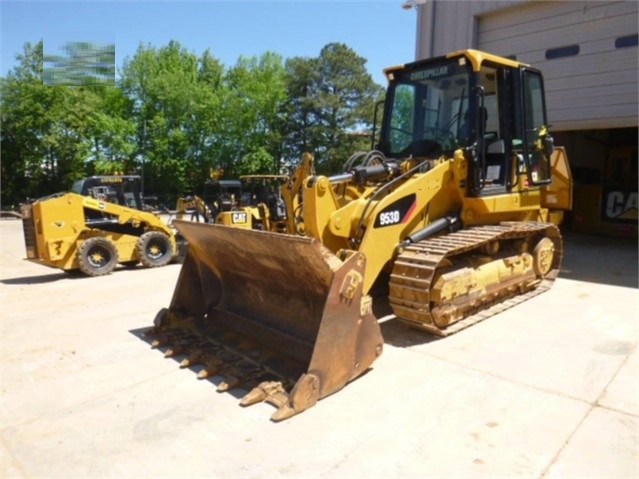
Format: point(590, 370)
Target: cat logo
point(239, 218)
point(620, 206)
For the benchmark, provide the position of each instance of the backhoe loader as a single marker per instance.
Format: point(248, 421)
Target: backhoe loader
point(100, 223)
point(252, 206)
point(269, 202)
point(194, 205)
point(455, 212)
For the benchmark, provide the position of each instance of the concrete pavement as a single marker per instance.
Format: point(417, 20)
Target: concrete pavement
point(547, 389)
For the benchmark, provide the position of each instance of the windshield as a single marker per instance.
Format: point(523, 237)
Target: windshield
point(427, 109)
point(78, 187)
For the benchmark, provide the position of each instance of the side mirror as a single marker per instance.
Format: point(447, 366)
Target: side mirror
point(548, 145)
point(375, 114)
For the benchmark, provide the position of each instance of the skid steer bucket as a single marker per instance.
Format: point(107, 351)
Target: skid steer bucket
point(277, 315)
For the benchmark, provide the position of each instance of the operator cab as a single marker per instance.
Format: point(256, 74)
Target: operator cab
point(118, 189)
point(226, 195)
point(266, 189)
point(491, 107)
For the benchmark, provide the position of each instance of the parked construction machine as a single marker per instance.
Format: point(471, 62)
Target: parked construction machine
point(266, 202)
point(100, 223)
point(226, 204)
point(194, 205)
point(453, 215)
point(252, 202)
point(265, 206)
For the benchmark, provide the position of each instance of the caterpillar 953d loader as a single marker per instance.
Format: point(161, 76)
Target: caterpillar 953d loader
point(455, 211)
point(100, 223)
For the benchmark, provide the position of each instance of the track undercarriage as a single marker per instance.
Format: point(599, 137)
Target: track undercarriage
point(447, 283)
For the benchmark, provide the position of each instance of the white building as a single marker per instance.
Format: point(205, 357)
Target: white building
point(588, 53)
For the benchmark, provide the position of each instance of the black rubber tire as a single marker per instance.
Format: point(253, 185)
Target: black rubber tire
point(154, 249)
point(97, 256)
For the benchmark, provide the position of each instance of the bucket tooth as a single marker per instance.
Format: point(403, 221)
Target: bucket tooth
point(211, 368)
point(241, 373)
point(178, 348)
point(202, 352)
point(231, 382)
point(283, 412)
point(169, 337)
point(183, 345)
point(218, 360)
point(304, 394)
point(269, 391)
point(195, 357)
point(201, 349)
point(159, 341)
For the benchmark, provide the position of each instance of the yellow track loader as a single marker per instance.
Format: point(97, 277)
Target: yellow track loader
point(100, 223)
point(455, 211)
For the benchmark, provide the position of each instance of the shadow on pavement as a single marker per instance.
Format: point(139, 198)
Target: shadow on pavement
point(395, 332)
point(41, 279)
point(50, 278)
point(600, 259)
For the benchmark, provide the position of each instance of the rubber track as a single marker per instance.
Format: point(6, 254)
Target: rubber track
point(416, 266)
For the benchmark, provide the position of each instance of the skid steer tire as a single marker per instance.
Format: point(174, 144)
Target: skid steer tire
point(154, 249)
point(97, 256)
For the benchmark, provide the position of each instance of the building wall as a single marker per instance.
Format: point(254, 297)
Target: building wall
point(595, 88)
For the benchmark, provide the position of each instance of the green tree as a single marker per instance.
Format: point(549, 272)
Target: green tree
point(23, 119)
point(346, 97)
point(257, 161)
point(176, 117)
point(331, 106)
point(112, 133)
point(174, 105)
point(254, 93)
point(207, 119)
point(66, 136)
point(300, 132)
point(45, 130)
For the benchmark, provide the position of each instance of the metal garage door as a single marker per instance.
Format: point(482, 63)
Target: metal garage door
point(587, 51)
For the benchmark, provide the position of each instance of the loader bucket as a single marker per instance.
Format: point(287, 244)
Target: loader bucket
point(278, 315)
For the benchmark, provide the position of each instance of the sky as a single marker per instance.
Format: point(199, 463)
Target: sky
point(380, 31)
